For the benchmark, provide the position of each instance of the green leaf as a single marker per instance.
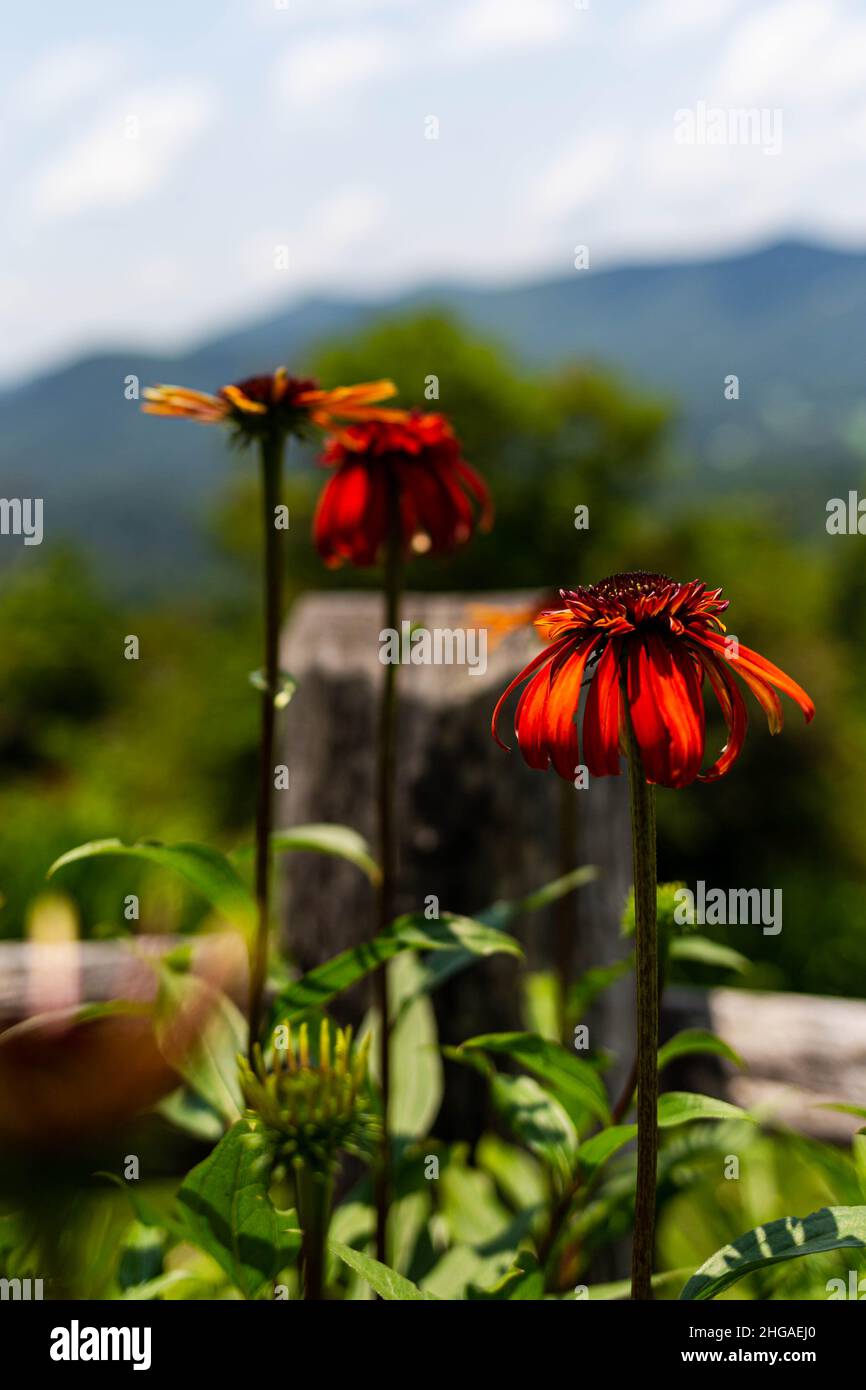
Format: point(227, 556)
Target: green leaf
point(230, 1215)
point(387, 1283)
point(200, 1032)
point(831, 1228)
point(536, 1118)
point(594, 1153)
point(185, 1110)
point(574, 1081)
point(858, 1111)
point(692, 1041)
point(622, 1288)
point(540, 1004)
point(524, 1282)
point(450, 933)
point(518, 1176)
point(176, 1284)
point(706, 952)
point(210, 873)
point(680, 1107)
point(337, 840)
point(416, 1065)
point(502, 914)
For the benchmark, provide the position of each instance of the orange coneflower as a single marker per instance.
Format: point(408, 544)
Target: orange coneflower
point(651, 642)
point(274, 402)
point(408, 469)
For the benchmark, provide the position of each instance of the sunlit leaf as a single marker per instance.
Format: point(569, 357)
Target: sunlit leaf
point(200, 1032)
point(705, 952)
point(574, 1081)
point(210, 873)
point(230, 1215)
point(387, 1283)
point(680, 1107)
point(525, 1281)
point(536, 1118)
point(449, 933)
point(831, 1228)
point(502, 914)
point(695, 1041)
point(594, 1153)
point(338, 840)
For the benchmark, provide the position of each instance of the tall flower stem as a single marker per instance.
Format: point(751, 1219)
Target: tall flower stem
point(566, 911)
point(643, 834)
point(314, 1211)
point(387, 859)
point(272, 445)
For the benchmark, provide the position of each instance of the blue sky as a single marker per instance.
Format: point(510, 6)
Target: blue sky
point(174, 168)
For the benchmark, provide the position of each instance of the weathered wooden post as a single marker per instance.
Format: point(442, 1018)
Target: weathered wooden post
point(476, 823)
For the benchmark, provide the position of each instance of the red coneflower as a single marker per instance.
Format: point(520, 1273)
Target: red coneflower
point(411, 468)
point(274, 402)
point(651, 642)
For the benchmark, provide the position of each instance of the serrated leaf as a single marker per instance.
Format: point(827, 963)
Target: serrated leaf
point(387, 1283)
point(574, 1081)
point(229, 1213)
point(695, 1041)
point(210, 873)
point(680, 1107)
point(790, 1238)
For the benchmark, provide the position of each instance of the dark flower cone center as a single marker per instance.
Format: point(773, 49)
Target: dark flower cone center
point(625, 588)
point(261, 389)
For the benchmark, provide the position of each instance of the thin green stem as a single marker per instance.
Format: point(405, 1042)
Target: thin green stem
point(388, 861)
point(643, 832)
point(314, 1192)
point(272, 595)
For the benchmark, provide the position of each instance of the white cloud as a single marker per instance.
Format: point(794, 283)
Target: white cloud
point(321, 11)
point(319, 69)
point(323, 244)
point(125, 156)
point(486, 25)
point(62, 75)
point(577, 175)
point(665, 21)
point(772, 48)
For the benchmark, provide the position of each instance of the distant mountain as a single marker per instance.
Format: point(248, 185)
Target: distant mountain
point(789, 321)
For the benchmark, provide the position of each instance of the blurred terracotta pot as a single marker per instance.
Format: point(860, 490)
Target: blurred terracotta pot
point(66, 1074)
